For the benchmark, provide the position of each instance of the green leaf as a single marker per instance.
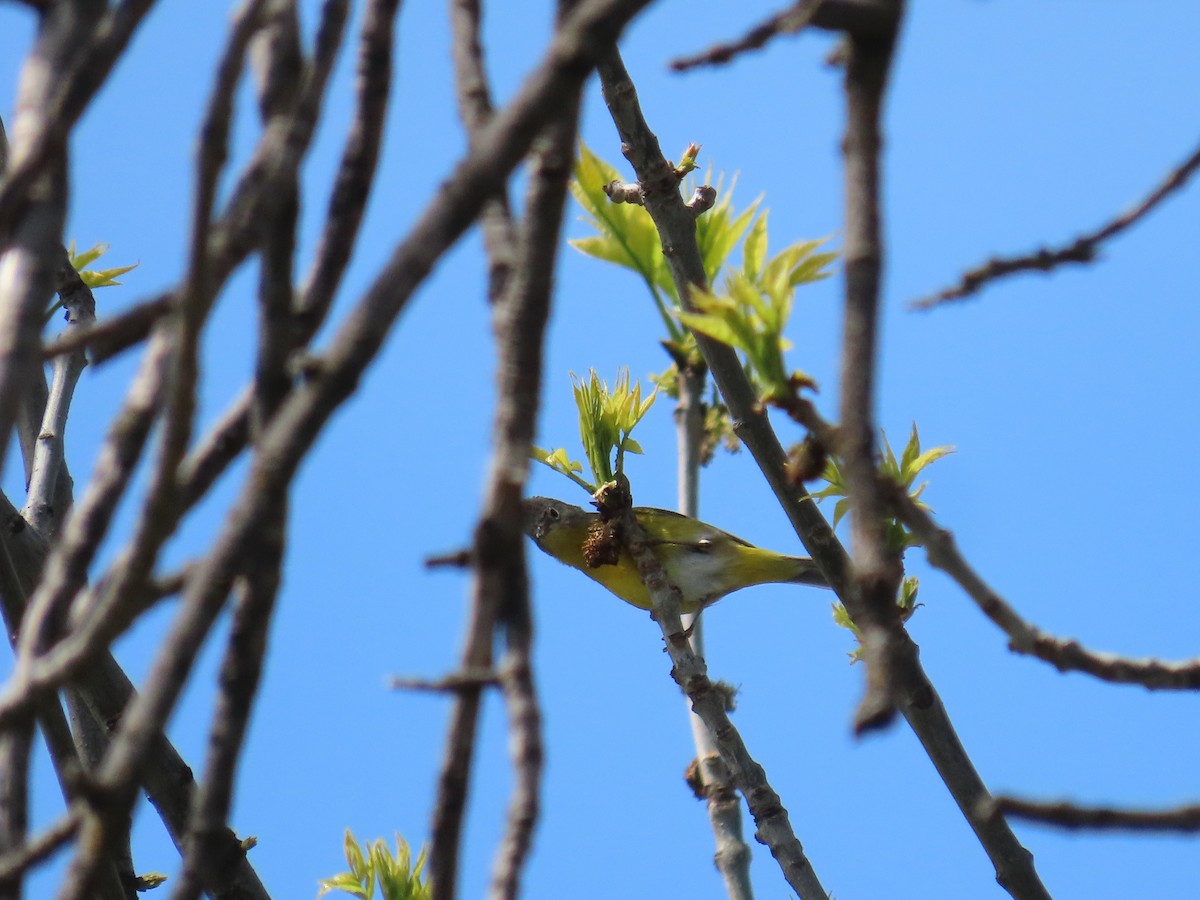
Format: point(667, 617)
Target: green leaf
point(840, 509)
point(754, 249)
point(105, 277)
point(79, 260)
point(606, 418)
point(343, 882)
point(627, 235)
point(358, 865)
point(95, 279)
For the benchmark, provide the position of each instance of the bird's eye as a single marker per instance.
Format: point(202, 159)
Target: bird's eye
point(551, 512)
point(704, 545)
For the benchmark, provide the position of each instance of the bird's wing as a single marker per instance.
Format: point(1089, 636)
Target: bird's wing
point(661, 526)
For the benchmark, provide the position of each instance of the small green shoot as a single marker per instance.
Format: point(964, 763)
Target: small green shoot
point(606, 418)
point(91, 278)
point(397, 876)
point(96, 278)
point(560, 462)
point(903, 471)
point(906, 603)
point(753, 310)
point(625, 234)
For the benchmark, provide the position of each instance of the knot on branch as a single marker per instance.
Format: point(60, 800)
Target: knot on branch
point(702, 200)
point(625, 192)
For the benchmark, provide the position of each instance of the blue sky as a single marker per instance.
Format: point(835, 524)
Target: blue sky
point(1068, 399)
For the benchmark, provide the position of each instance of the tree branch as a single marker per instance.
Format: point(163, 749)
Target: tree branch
point(1102, 818)
point(1083, 249)
point(520, 323)
point(1026, 638)
point(863, 17)
point(920, 703)
point(876, 572)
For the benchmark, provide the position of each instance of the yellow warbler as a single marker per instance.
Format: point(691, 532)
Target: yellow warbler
point(704, 562)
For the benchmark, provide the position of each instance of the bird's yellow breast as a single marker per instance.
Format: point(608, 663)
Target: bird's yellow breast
point(704, 569)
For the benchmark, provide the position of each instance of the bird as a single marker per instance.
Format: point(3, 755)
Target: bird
point(703, 561)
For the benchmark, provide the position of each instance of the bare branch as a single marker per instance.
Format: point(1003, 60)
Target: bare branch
point(66, 568)
point(519, 318)
point(92, 50)
point(212, 850)
point(108, 338)
point(1083, 249)
point(864, 17)
point(16, 740)
point(469, 681)
point(356, 171)
point(49, 462)
point(676, 228)
point(1101, 818)
point(876, 571)
point(223, 443)
point(1026, 638)
point(13, 863)
point(475, 108)
point(712, 779)
point(770, 817)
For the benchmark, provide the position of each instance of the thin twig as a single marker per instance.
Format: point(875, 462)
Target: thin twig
point(356, 170)
point(279, 65)
point(16, 741)
point(715, 782)
point(106, 339)
point(469, 681)
point(1099, 818)
point(213, 453)
point(1083, 249)
point(475, 109)
point(41, 847)
point(212, 850)
point(770, 817)
point(1024, 637)
point(93, 51)
point(860, 16)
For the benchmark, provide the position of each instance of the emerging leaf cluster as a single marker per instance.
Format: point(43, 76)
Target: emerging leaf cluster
point(95, 278)
point(753, 309)
point(625, 234)
point(606, 419)
point(398, 878)
point(903, 471)
point(906, 603)
point(92, 278)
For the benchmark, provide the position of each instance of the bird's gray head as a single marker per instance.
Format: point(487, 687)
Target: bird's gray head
point(543, 513)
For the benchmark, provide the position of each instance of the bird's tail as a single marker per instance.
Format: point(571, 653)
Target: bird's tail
point(764, 567)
